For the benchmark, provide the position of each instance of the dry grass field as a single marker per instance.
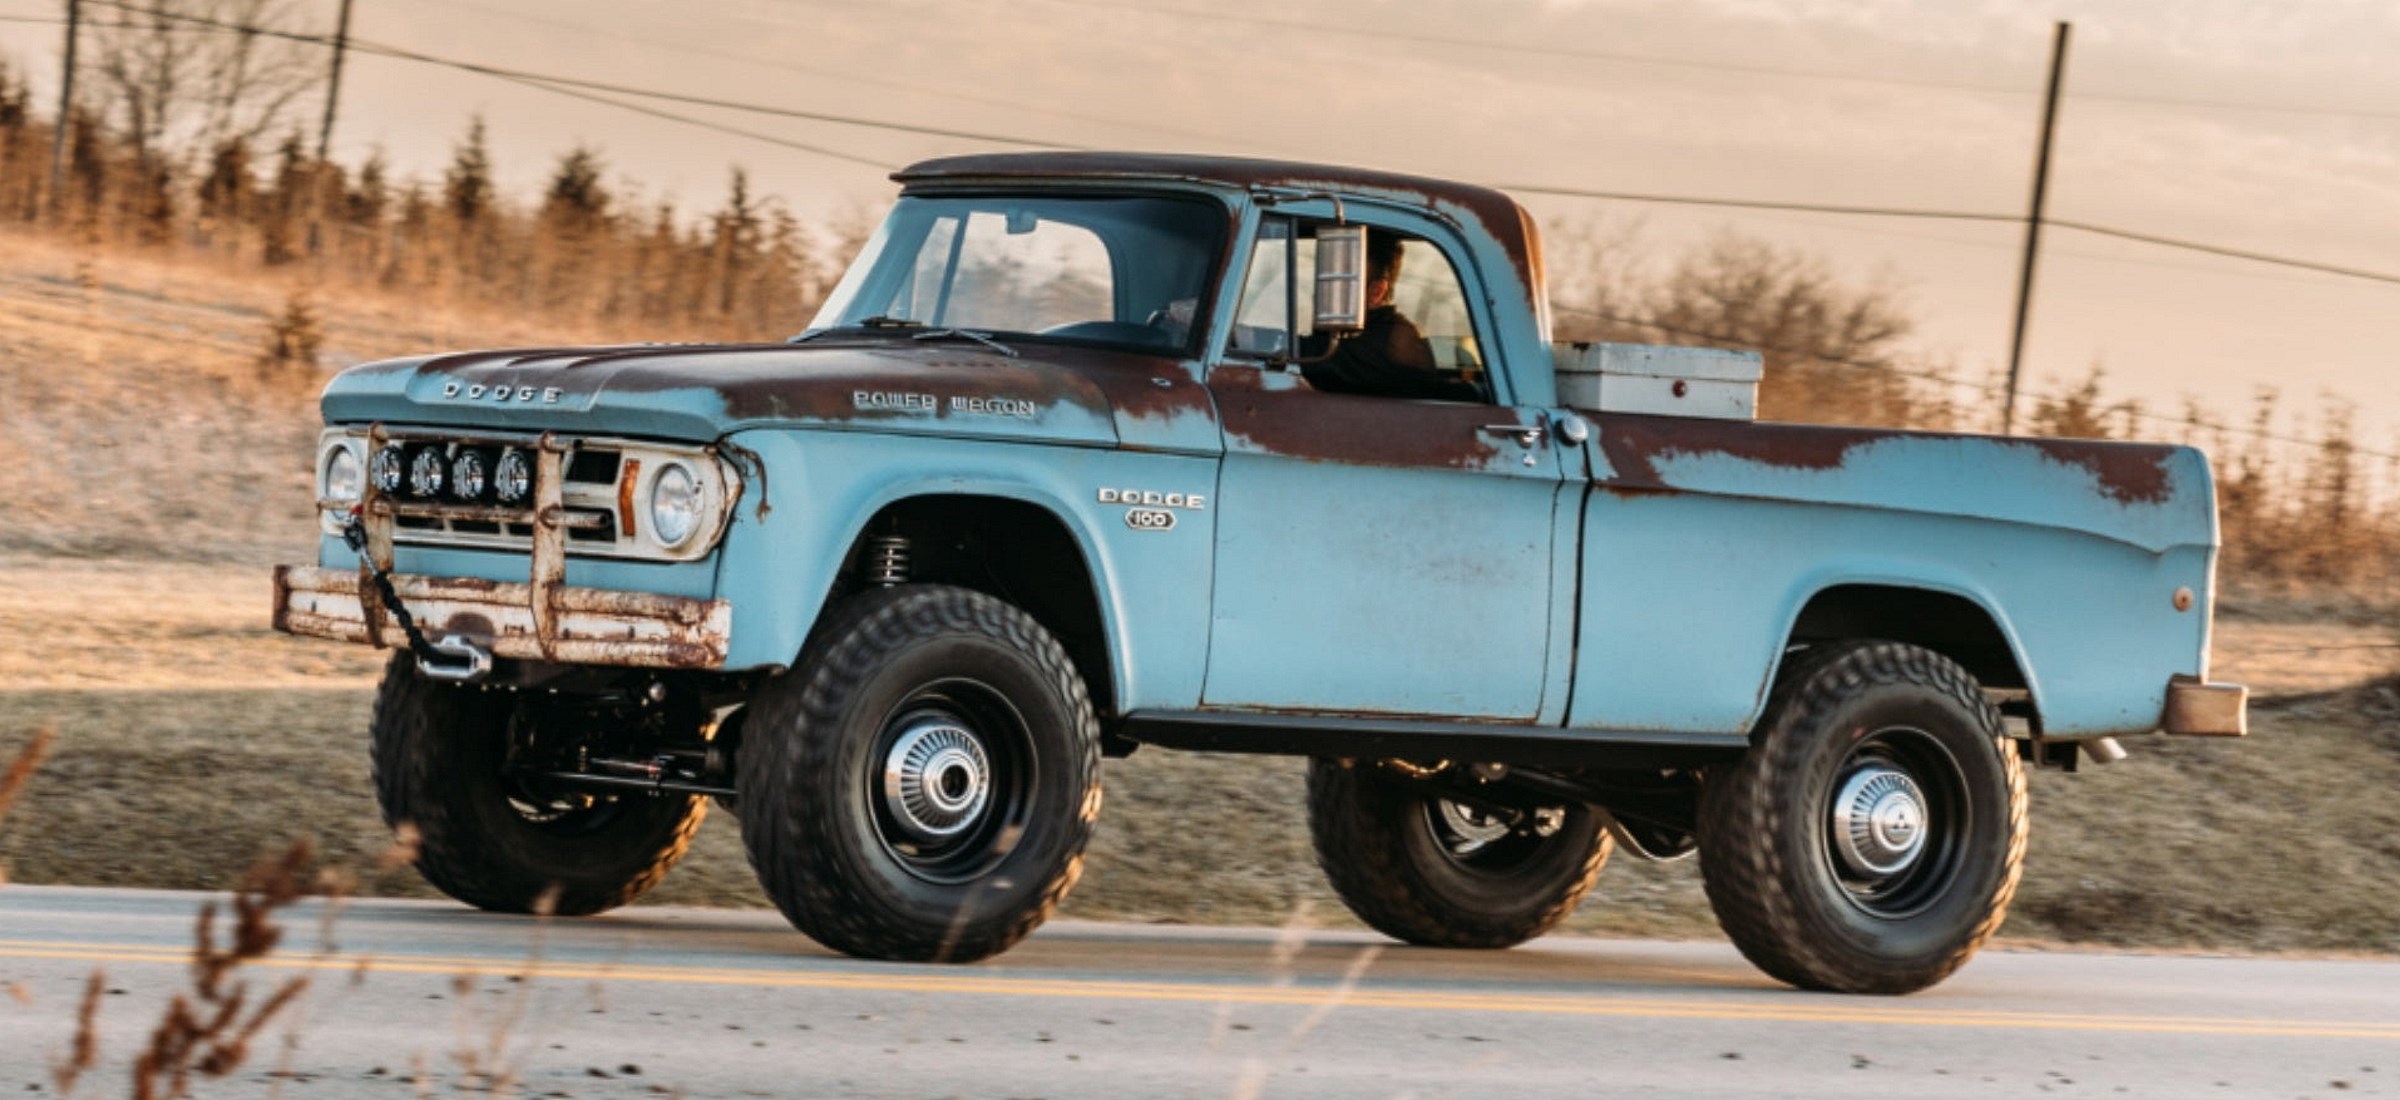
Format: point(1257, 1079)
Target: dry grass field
point(149, 475)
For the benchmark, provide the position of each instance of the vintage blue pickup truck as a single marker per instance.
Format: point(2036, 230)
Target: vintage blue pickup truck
point(1093, 451)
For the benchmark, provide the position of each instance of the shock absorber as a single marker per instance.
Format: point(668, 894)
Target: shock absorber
point(887, 560)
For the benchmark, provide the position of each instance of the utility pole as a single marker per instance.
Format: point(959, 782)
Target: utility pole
point(333, 83)
point(2033, 224)
point(66, 103)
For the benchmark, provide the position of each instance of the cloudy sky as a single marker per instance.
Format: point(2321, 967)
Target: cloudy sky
point(2265, 127)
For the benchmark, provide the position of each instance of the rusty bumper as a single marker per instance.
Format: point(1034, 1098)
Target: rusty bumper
point(2196, 708)
point(583, 626)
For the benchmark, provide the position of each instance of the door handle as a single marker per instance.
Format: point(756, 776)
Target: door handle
point(1527, 436)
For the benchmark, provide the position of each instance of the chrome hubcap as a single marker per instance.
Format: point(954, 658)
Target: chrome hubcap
point(1879, 823)
point(936, 779)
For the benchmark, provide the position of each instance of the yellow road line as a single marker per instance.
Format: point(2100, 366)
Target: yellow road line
point(1901, 1013)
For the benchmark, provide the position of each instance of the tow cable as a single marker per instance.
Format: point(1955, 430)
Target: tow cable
point(452, 658)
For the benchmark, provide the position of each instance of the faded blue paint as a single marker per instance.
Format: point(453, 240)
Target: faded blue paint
point(1689, 595)
point(825, 486)
point(2005, 480)
point(1334, 593)
point(696, 579)
point(1359, 555)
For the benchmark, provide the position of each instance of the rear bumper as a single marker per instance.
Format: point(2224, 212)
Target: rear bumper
point(579, 626)
point(2196, 708)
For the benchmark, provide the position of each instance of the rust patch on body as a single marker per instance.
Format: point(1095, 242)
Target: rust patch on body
point(1364, 431)
point(2127, 473)
point(1634, 446)
point(821, 380)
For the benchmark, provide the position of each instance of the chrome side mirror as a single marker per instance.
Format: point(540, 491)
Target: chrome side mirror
point(1341, 279)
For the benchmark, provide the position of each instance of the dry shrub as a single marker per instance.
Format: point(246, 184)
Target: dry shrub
point(295, 338)
point(20, 770)
point(207, 1029)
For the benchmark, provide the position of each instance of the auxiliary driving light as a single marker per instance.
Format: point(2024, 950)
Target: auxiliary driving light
point(512, 477)
point(426, 473)
point(389, 468)
point(470, 474)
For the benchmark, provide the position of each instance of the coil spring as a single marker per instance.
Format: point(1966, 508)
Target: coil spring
point(887, 560)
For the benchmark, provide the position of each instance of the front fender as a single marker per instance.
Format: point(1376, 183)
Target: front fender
point(822, 488)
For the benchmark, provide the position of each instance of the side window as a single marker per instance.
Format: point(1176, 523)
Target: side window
point(1420, 337)
point(1430, 294)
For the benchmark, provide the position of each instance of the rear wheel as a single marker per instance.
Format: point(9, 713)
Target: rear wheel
point(1440, 873)
point(499, 842)
point(1872, 837)
point(922, 784)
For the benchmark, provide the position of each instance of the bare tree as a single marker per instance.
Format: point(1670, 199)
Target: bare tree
point(192, 74)
point(1832, 350)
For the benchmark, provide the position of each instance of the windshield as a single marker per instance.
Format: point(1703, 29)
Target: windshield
point(1125, 271)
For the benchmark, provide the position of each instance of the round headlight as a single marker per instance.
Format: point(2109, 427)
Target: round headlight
point(344, 478)
point(427, 472)
point(675, 504)
point(389, 468)
point(470, 474)
point(512, 477)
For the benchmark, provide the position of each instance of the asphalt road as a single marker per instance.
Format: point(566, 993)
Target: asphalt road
point(417, 999)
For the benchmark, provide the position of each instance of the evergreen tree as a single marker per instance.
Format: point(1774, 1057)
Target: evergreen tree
point(365, 201)
point(467, 184)
point(286, 202)
point(576, 203)
point(228, 191)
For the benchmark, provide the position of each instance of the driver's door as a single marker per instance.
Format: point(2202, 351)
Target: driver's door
point(1374, 556)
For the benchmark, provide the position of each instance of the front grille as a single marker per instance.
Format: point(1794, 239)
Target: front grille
point(603, 488)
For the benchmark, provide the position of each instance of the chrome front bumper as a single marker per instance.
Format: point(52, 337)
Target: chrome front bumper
point(556, 623)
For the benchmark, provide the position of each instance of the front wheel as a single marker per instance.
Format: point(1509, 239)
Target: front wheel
point(1871, 838)
point(922, 784)
point(1439, 873)
point(491, 838)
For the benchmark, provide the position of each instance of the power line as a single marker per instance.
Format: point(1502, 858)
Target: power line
point(831, 74)
point(1815, 356)
point(1526, 48)
point(2236, 105)
point(1970, 216)
point(558, 84)
point(2126, 409)
point(637, 108)
point(1720, 66)
point(548, 80)
point(2220, 250)
point(1764, 204)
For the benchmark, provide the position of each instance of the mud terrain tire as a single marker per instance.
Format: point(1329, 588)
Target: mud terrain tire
point(1396, 859)
point(439, 753)
point(1871, 838)
point(922, 784)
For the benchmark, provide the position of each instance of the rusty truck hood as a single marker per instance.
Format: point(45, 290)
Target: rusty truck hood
point(1050, 393)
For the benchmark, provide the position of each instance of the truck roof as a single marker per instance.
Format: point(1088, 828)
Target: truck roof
point(1491, 211)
